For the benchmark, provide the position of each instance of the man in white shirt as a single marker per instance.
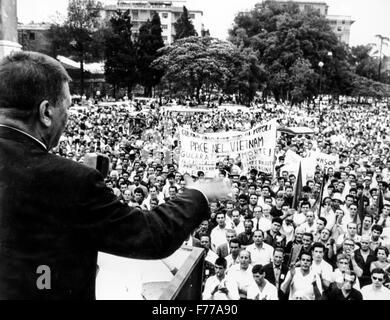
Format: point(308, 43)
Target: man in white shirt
point(261, 288)
point(218, 234)
point(238, 221)
point(261, 253)
point(266, 219)
point(300, 217)
point(320, 266)
point(376, 290)
point(233, 257)
point(220, 287)
point(350, 234)
point(300, 280)
point(242, 273)
point(309, 225)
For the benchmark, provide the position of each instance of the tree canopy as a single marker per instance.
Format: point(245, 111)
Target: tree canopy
point(289, 42)
point(149, 42)
point(184, 27)
point(196, 63)
point(120, 52)
point(80, 37)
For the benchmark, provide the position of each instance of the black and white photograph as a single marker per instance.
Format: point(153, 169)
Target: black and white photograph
point(206, 152)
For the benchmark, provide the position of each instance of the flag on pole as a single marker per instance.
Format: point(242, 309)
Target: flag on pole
point(379, 203)
point(360, 214)
point(319, 200)
point(298, 189)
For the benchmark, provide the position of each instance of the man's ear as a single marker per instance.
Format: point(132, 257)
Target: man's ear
point(45, 113)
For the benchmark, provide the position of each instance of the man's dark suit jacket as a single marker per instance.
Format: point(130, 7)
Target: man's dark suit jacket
point(270, 276)
point(59, 213)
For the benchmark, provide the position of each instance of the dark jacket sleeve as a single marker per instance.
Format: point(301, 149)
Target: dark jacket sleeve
point(116, 228)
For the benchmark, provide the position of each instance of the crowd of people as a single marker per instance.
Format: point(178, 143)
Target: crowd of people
point(269, 241)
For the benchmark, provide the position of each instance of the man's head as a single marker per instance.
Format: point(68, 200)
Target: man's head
point(236, 216)
point(376, 231)
point(325, 235)
point(321, 224)
point(278, 256)
point(318, 250)
point(220, 267)
point(307, 240)
point(138, 195)
point(248, 226)
point(245, 259)
point(205, 241)
point(299, 234)
point(230, 234)
point(310, 217)
point(235, 247)
point(305, 207)
point(367, 222)
point(276, 224)
point(352, 229)
point(253, 200)
point(258, 273)
point(34, 95)
point(306, 260)
point(348, 280)
point(172, 191)
point(342, 262)
point(365, 243)
point(258, 237)
point(377, 277)
point(220, 218)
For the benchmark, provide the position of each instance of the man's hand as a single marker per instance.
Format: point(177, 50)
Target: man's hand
point(215, 290)
point(213, 189)
point(292, 270)
point(224, 290)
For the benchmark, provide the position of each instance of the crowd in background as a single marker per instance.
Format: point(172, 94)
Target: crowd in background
point(269, 241)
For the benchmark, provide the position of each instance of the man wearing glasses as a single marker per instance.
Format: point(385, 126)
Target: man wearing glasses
point(376, 290)
point(346, 292)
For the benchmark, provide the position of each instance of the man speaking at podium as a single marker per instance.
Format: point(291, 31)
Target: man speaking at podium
point(56, 214)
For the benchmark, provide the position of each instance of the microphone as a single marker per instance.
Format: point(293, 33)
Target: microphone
point(97, 161)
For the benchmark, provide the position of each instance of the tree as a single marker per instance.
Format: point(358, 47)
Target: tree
point(197, 63)
point(79, 36)
point(282, 36)
point(247, 75)
point(148, 44)
point(120, 52)
point(362, 61)
point(383, 41)
point(184, 27)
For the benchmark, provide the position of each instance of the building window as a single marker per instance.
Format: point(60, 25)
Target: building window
point(165, 38)
point(192, 16)
point(165, 15)
point(135, 14)
point(339, 29)
point(164, 26)
point(31, 36)
point(343, 22)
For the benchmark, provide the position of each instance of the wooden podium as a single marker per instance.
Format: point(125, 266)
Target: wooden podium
point(178, 277)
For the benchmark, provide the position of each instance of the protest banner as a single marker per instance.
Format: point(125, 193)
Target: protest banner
point(201, 152)
point(326, 160)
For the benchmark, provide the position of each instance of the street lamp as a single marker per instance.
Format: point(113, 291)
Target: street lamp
point(321, 65)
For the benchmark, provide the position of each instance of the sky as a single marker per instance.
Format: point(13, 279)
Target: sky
point(371, 16)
